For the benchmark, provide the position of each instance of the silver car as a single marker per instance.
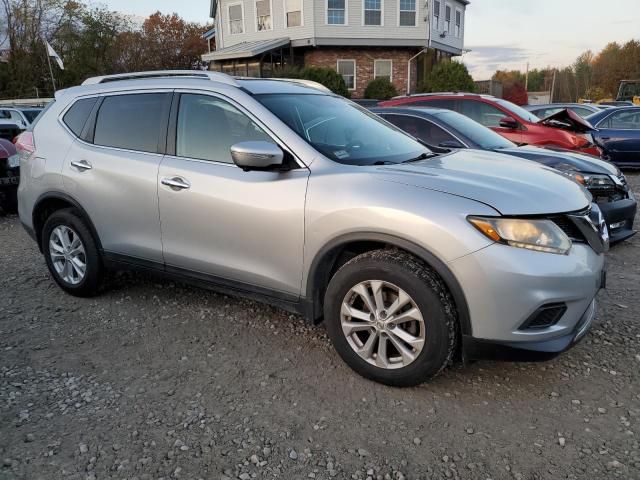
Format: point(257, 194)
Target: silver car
point(286, 193)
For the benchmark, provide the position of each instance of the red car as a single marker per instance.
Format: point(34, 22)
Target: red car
point(563, 129)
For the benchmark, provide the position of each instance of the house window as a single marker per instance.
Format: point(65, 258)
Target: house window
point(436, 15)
point(293, 11)
point(447, 19)
point(458, 23)
point(373, 12)
point(263, 15)
point(236, 18)
point(336, 12)
point(382, 69)
point(407, 13)
point(347, 68)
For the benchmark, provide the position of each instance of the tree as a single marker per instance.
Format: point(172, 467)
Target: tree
point(515, 93)
point(380, 89)
point(448, 76)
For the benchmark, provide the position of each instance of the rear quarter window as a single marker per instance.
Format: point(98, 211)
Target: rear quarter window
point(76, 117)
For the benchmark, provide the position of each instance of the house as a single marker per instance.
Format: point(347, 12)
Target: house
point(361, 39)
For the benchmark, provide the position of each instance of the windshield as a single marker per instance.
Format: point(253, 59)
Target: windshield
point(341, 130)
point(482, 136)
point(31, 114)
point(519, 111)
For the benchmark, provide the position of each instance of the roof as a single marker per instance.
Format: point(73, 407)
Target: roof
point(209, 33)
point(245, 49)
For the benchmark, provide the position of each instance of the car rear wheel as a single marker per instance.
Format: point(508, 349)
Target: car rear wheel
point(391, 318)
point(71, 253)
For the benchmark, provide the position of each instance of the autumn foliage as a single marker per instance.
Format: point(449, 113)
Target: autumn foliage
point(91, 41)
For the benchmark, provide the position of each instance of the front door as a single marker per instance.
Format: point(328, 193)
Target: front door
point(220, 221)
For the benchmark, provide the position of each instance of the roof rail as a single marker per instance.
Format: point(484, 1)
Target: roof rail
point(443, 93)
point(304, 82)
point(201, 74)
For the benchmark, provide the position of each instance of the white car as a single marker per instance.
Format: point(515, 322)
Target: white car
point(23, 117)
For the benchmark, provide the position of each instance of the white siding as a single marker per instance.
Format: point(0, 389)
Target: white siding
point(251, 34)
point(450, 38)
point(355, 29)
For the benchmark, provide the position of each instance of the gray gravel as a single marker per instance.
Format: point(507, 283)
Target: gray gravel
point(157, 380)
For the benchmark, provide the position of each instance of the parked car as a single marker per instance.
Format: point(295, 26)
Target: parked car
point(450, 130)
point(9, 176)
point(300, 198)
point(23, 117)
point(582, 109)
point(617, 103)
point(563, 129)
point(618, 135)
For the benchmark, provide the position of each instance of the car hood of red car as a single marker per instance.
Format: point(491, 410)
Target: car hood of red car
point(567, 120)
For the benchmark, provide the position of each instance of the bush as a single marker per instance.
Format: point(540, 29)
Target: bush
point(448, 77)
point(323, 75)
point(380, 89)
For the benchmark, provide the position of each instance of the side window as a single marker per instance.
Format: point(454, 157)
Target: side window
point(481, 112)
point(583, 112)
point(623, 121)
point(445, 104)
point(208, 127)
point(77, 115)
point(132, 122)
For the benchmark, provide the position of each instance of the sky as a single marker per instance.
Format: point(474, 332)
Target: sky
point(501, 34)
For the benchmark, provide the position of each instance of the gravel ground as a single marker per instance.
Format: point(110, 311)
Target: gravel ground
point(159, 380)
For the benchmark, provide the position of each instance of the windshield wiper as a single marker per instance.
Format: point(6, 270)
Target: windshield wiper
point(422, 156)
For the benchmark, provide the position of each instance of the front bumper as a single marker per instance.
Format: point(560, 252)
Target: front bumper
point(506, 286)
point(476, 349)
point(620, 216)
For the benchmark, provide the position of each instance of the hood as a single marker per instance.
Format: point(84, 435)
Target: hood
point(563, 160)
point(567, 120)
point(510, 185)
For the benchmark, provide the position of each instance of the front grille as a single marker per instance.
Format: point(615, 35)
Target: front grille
point(545, 317)
point(607, 193)
point(569, 228)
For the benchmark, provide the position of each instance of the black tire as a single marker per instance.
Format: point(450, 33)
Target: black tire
point(90, 284)
point(430, 296)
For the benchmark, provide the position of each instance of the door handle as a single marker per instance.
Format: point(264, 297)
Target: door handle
point(176, 183)
point(82, 165)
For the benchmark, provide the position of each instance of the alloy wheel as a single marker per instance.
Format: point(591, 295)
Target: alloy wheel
point(67, 254)
point(382, 324)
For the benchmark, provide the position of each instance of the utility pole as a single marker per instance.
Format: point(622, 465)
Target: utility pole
point(526, 79)
point(553, 85)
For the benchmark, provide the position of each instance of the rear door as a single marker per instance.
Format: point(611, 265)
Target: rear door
point(619, 136)
point(218, 221)
point(112, 169)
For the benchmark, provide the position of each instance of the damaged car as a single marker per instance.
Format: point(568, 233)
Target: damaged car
point(564, 129)
point(447, 130)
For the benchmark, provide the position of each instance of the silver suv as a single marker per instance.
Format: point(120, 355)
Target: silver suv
point(286, 193)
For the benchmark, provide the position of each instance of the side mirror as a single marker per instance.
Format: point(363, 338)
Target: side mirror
point(509, 122)
point(257, 155)
point(451, 144)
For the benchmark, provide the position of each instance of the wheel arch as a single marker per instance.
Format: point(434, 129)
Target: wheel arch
point(341, 249)
point(51, 202)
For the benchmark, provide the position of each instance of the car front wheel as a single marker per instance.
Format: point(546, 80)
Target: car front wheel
point(391, 318)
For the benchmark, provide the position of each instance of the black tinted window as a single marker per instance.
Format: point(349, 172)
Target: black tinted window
point(132, 121)
point(77, 115)
point(420, 128)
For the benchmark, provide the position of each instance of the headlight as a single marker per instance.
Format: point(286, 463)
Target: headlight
point(590, 180)
point(538, 235)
